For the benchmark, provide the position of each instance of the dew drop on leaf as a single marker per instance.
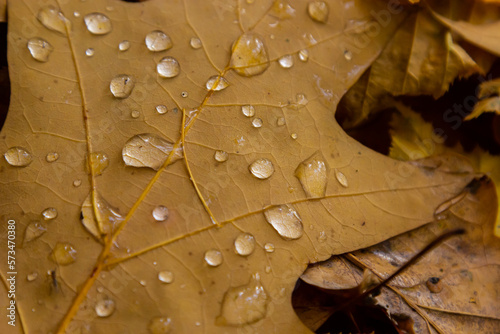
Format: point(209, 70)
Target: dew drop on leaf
point(161, 109)
point(98, 23)
point(280, 121)
point(245, 304)
point(160, 325)
point(89, 52)
point(76, 13)
point(98, 162)
point(221, 84)
point(77, 183)
point(121, 86)
point(108, 217)
point(282, 10)
point(135, 113)
point(49, 213)
point(294, 136)
point(322, 236)
point(143, 282)
point(18, 156)
point(342, 179)
point(312, 174)
point(63, 254)
point(168, 67)
point(160, 213)
point(33, 231)
point(104, 307)
point(40, 49)
point(195, 43)
point(32, 276)
point(52, 156)
point(52, 19)
point(286, 221)
point(248, 110)
point(347, 55)
point(286, 61)
point(249, 55)
point(184, 94)
point(257, 122)
point(261, 168)
point(149, 150)
point(124, 45)
point(157, 41)
point(318, 11)
point(269, 247)
point(244, 244)
point(166, 276)
point(213, 257)
point(301, 99)
point(221, 156)
point(304, 55)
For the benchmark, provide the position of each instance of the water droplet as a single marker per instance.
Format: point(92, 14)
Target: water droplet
point(184, 94)
point(108, 217)
point(244, 244)
point(304, 55)
point(195, 43)
point(221, 156)
point(286, 221)
point(221, 84)
point(168, 67)
point(312, 174)
point(318, 11)
point(341, 178)
point(261, 168)
point(98, 24)
point(286, 61)
point(121, 86)
point(143, 282)
point(77, 183)
point(245, 304)
point(160, 325)
point(301, 99)
point(249, 55)
point(322, 236)
point(282, 10)
point(33, 231)
point(149, 150)
point(269, 248)
point(104, 307)
point(89, 52)
point(98, 162)
point(347, 55)
point(160, 213)
point(294, 136)
point(268, 269)
point(213, 257)
point(256, 122)
point(135, 113)
point(52, 156)
point(166, 276)
point(124, 45)
point(157, 41)
point(31, 277)
point(51, 18)
point(17, 156)
point(281, 121)
point(76, 13)
point(40, 49)
point(248, 110)
point(49, 213)
point(64, 254)
point(161, 109)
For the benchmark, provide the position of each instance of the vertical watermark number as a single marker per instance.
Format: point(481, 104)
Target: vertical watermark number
point(11, 271)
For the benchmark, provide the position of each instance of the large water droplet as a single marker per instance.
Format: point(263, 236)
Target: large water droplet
point(221, 156)
point(52, 156)
point(157, 41)
point(312, 174)
point(245, 304)
point(304, 55)
point(195, 43)
point(261, 168)
point(98, 162)
point(213, 257)
point(160, 325)
point(168, 67)
point(166, 276)
point(149, 150)
point(248, 110)
point(40, 49)
point(108, 217)
point(64, 254)
point(121, 86)
point(286, 221)
point(49, 213)
point(160, 213)
point(104, 307)
point(244, 244)
point(161, 109)
point(124, 45)
point(249, 55)
point(17, 156)
point(33, 231)
point(341, 178)
point(257, 122)
point(98, 24)
point(51, 18)
point(221, 84)
point(286, 61)
point(318, 11)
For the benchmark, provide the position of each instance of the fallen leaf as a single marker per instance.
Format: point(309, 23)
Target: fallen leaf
point(488, 103)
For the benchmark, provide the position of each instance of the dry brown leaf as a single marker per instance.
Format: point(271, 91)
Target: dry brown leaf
point(65, 106)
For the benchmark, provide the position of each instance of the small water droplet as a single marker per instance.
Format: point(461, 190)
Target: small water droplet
point(160, 325)
point(195, 43)
point(341, 178)
point(124, 45)
point(161, 109)
point(322, 236)
point(100, 289)
point(304, 55)
point(40, 49)
point(64, 254)
point(213, 257)
point(312, 174)
point(245, 304)
point(76, 13)
point(318, 11)
point(286, 61)
point(77, 183)
point(157, 41)
point(121, 86)
point(168, 67)
point(160, 213)
point(261, 168)
point(98, 24)
point(143, 282)
point(184, 94)
point(301, 99)
point(135, 113)
point(281, 121)
point(98, 162)
point(221, 156)
point(49, 213)
point(256, 122)
point(268, 269)
point(269, 248)
point(249, 55)
point(286, 221)
point(104, 307)
point(31, 277)
point(149, 150)
point(89, 52)
point(52, 156)
point(282, 10)
point(17, 156)
point(244, 244)
point(33, 231)
point(166, 276)
point(51, 18)
point(347, 55)
point(294, 136)
point(248, 110)
point(221, 84)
